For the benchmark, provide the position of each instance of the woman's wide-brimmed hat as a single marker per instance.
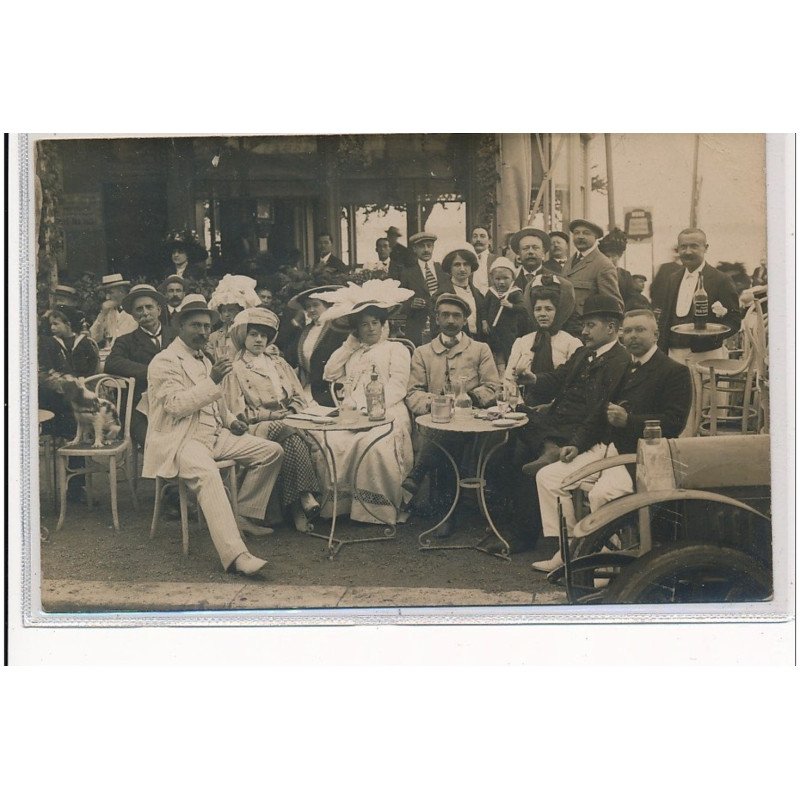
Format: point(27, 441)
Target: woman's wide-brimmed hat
point(192, 304)
point(235, 290)
point(467, 251)
point(188, 242)
point(297, 303)
point(142, 290)
point(349, 301)
point(252, 316)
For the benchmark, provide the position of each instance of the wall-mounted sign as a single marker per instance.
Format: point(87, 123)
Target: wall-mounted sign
point(81, 211)
point(639, 223)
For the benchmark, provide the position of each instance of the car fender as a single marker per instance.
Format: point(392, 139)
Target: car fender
point(629, 503)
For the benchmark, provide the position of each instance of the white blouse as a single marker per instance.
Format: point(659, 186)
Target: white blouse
point(562, 343)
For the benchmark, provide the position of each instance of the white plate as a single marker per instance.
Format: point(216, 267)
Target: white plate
point(503, 423)
point(515, 415)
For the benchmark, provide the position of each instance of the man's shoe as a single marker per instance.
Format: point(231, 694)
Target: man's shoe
point(548, 566)
point(515, 545)
point(248, 564)
point(252, 528)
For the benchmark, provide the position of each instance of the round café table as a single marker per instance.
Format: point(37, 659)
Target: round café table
point(477, 428)
point(324, 428)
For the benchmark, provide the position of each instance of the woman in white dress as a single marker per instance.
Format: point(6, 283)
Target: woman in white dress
point(262, 389)
point(366, 350)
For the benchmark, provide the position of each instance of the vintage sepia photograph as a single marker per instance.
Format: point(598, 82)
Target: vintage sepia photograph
point(322, 373)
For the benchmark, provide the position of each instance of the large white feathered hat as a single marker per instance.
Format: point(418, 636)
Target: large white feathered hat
point(351, 299)
point(236, 290)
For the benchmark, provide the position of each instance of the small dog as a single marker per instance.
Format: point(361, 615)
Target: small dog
point(96, 417)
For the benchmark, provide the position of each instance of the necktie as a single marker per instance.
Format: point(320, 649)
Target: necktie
point(576, 259)
point(430, 279)
point(199, 355)
point(635, 365)
point(154, 339)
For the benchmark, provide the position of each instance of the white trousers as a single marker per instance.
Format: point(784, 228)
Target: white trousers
point(262, 460)
point(611, 484)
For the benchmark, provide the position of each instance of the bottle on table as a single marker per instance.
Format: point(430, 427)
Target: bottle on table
point(463, 402)
point(700, 305)
point(376, 398)
point(448, 389)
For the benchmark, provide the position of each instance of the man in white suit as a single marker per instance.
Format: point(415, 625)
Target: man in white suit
point(189, 426)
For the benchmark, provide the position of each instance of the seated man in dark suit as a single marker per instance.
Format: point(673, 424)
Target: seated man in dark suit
point(654, 387)
point(574, 420)
point(132, 353)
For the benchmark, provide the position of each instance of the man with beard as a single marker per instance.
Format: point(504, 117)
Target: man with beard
point(173, 290)
point(653, 388)
point(191, 428)
point(589, 271)
point(482, 242)
point(451, 354)
point(723, 302)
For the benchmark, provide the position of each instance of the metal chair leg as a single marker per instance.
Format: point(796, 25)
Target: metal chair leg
point(62, 490)
point(112, 479)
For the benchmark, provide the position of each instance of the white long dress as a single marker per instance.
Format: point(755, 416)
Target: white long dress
point(388, 463)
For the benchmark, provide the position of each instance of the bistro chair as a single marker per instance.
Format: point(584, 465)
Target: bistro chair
point(227, 466)
point(110, 458)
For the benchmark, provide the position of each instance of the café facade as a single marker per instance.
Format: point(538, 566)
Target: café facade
point(105, 205)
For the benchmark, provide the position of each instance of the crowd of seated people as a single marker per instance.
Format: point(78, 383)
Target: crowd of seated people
point(570, 328)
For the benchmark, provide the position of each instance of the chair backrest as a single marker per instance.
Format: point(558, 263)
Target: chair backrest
point(119, 391)
point(407, 343)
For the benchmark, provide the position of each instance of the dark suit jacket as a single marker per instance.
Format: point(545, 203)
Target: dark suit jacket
point(511, 325)
point(719, 287)
point(577, 415)
point(412, 278)
point(330, 272)
point(400, 258)
point(131, 355)
point(658, 288)
point(329, 341)
point(660, 389)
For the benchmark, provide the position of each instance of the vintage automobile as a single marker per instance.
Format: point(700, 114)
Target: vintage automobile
point(697, 529)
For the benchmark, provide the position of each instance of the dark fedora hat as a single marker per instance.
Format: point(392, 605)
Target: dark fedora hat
point(449, 297)
point(601, 305)
point(539, 234)
point(593, 227)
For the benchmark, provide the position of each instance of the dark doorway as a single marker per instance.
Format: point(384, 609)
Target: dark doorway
point(136, 224)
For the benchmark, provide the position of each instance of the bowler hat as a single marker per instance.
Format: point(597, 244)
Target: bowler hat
point(449, 297)
point(393, 230)
point(601, 305)
point(595, 229)
point(560, 234)
point(142, 290)
point(539, 234)
point(422, 236)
